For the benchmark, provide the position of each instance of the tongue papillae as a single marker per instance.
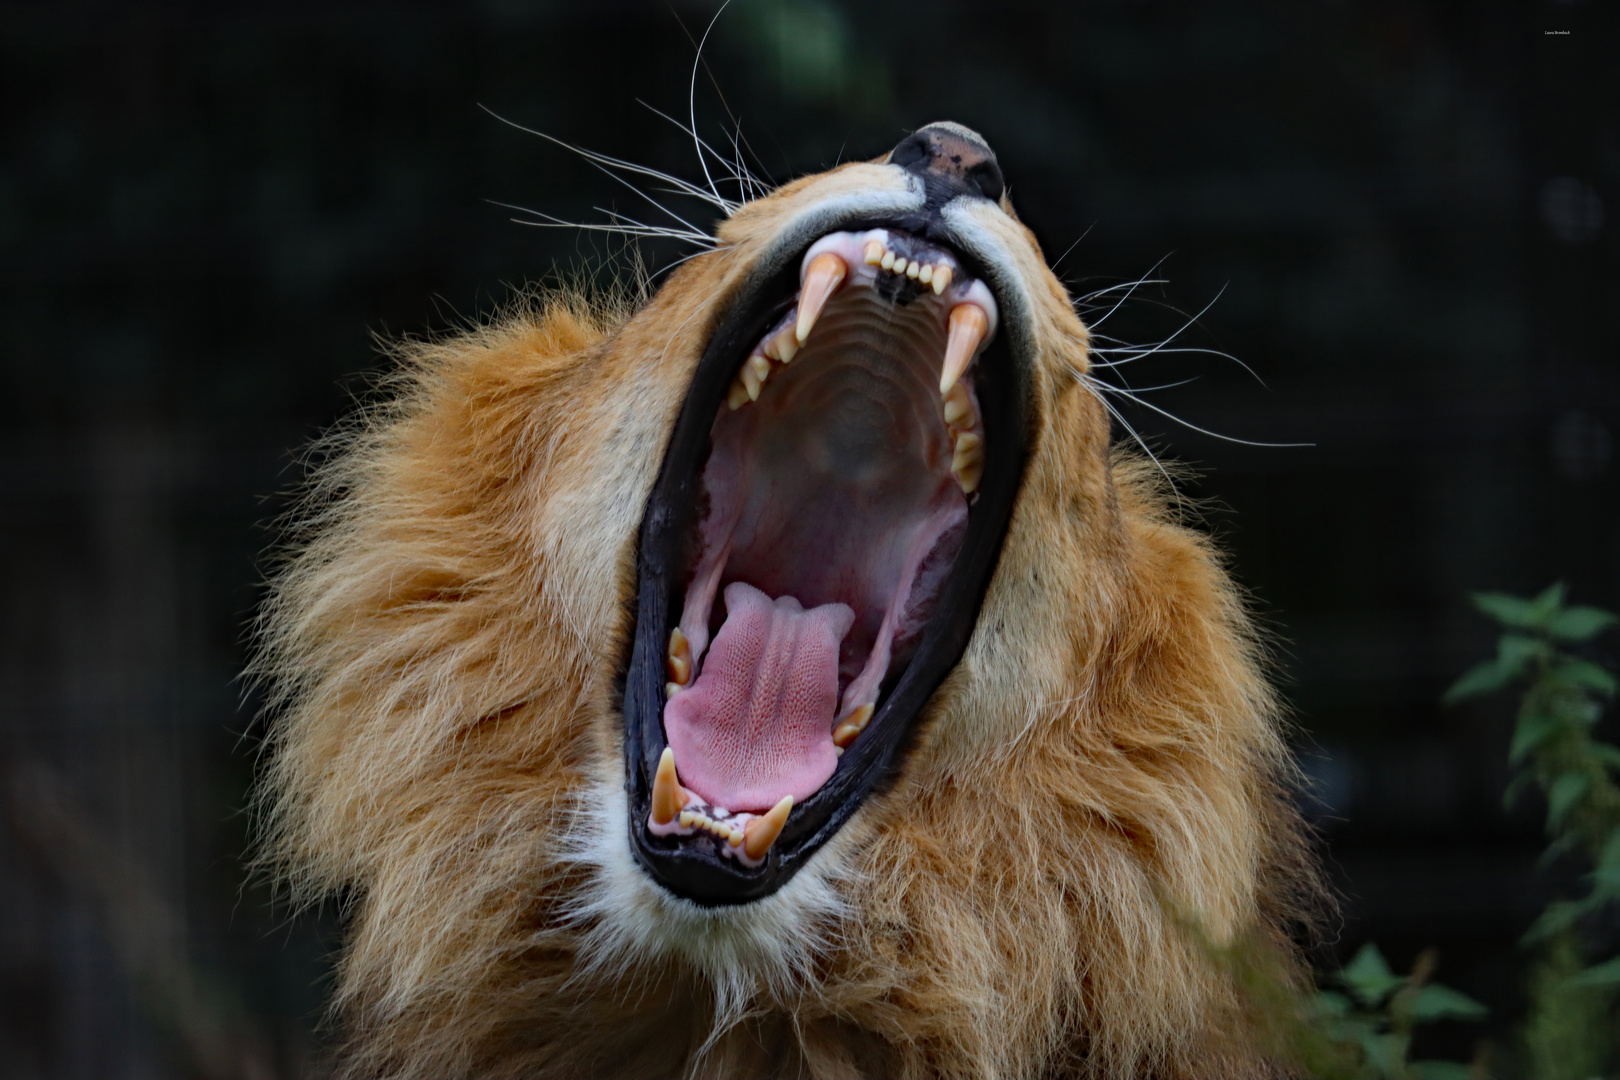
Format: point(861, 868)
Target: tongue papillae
point(754, 727)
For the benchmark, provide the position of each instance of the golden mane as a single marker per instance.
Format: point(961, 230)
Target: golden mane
point(1096, 800)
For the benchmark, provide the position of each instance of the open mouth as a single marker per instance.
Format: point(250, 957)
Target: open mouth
point(814, 554)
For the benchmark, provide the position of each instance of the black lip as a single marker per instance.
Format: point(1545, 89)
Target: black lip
point(692, 867)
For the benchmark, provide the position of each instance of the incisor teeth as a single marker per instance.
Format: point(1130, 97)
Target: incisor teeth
point(925, 275)
point(823, 276)
point(679, 661)
point(668, 797)
point(913, 269)
point(967, 328)
point(887, 262)
point(942, 279)
point(760, 833)
point(899, 266)
point(874, 252)
point(853, 725)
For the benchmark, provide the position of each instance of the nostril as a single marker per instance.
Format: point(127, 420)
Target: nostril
point(952, 159)
point(986, 176)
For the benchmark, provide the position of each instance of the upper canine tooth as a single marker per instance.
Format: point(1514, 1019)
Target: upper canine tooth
point(760, 833)
point(668, 797)
point(874, 252)
point(887, 262)
point(823, 276)
point(967, 329)
point(679, 661)
point(942, 278)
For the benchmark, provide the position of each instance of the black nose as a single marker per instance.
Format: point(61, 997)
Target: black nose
point(951, 156)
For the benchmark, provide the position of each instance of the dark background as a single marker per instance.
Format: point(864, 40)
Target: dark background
point(1408, 214)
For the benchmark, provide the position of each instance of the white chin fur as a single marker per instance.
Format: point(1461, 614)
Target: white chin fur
point(742, 950)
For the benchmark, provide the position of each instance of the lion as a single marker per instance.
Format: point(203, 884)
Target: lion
point(779, 677)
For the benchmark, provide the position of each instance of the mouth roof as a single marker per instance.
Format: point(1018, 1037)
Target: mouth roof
point(826, 518)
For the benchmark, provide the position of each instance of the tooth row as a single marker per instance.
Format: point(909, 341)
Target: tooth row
point(696, 819)
point(821, 279)
point(967, 442)
point(924, 273)
point(748, 837)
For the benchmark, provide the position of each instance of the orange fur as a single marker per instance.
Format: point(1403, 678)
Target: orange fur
point(1101, 772)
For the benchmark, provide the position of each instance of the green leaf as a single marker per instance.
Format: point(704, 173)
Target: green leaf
point(1581, 623)
point(1606, 874)
point(1387, 1053)
point(1557, 917)
point(1607, 753)
point(1515, 651)
point(1565, 792)
point(1332, 1004)
point(1442, 1070)
point(1585, 674)
point(1436, 1002)
point(1604, 974)
point(1508, 610)
point(1531, 732)
point(1483, 678)
point(1548, 602)
point(1368, 976)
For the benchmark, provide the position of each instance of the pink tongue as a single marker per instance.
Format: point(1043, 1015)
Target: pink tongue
point(757, 724)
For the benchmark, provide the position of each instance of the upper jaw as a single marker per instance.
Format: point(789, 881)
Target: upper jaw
point(698, 871)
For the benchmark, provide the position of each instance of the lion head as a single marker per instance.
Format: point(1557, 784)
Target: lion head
point(784, 678)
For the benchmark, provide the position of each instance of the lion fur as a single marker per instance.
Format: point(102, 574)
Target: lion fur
point(1098, 791)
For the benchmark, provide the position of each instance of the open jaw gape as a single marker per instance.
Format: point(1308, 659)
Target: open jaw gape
point(785, 678)
point(814, 553)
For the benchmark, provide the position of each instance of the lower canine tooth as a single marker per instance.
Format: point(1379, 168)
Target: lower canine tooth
point(967, 329)
point(821, 279)
point(874, 252)
point(668, 797)
point(679, 661)
point(853, 725)
point(760, 833)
